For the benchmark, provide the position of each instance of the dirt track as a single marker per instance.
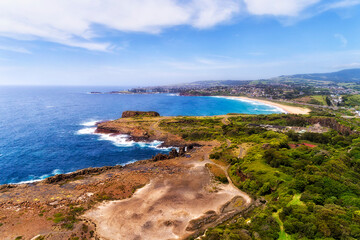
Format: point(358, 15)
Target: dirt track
point(164, 208)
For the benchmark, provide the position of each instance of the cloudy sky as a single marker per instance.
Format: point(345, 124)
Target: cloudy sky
point(150, 42)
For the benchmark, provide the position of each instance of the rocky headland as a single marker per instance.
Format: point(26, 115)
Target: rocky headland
point(141, 127)
point(170, 196)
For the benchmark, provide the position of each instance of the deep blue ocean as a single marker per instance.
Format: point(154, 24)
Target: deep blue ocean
point(50, 130)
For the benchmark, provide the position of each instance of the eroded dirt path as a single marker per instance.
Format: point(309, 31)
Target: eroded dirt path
point(170, 207)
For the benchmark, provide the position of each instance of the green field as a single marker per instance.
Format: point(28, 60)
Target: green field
point(351, 100)
point(310, 193)
point(320, 98)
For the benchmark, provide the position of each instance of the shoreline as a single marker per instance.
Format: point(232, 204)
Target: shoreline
point(285, 108)
point(92, 124)
point(109, 191)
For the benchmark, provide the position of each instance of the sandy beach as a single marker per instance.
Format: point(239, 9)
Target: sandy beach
point(283, 107)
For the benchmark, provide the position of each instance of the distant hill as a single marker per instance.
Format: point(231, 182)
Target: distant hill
point(347, 75)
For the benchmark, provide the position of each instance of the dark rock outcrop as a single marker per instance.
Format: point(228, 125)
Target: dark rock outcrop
point(86, 171)
point(129, 114)
point(207, 218)
point(159, 157)
point(5, 187)
point(182, 151)
point(172, 154)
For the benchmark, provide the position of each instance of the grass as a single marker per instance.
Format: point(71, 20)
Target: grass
point(58, 217)
point(314, 99)
point(282, 234)
point(352, 100)
point(296, 201)
point(263, 171)
point(218, 173)
point(67, 220)
point(103, 196)
point(320, 98)
point(193, 128)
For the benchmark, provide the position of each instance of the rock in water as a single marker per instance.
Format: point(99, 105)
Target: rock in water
point(129, 114)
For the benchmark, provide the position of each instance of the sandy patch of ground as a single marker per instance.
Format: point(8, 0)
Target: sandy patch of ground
point(164, 208)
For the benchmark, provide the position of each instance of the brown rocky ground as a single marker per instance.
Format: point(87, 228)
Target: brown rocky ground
point(170, 206)
point(166, 199)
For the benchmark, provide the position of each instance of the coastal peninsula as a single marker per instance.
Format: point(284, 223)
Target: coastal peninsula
point(233, 175)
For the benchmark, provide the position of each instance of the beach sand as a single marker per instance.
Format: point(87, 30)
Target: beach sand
point(285, 108)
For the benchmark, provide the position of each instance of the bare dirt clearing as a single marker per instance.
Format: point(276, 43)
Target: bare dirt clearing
point(169, 207)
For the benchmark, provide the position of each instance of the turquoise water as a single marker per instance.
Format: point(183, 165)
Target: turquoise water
point(50, 130)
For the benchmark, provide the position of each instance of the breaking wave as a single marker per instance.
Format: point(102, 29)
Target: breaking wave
point(119, 140)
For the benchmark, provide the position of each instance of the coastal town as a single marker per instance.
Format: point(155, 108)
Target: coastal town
point(330, 94)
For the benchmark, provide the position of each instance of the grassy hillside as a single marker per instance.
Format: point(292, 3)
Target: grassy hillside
point(351, 100)
point(314, 99)
point(306, 192)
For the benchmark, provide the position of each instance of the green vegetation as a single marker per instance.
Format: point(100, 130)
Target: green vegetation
point(58, 217)
point(103, 196)
point(42, 213)
point(194, 129)
point(137, 187)
point(296, 201)
point(218, 173)
point(318, 100)
point(309, 192)
point(68, 218)
point(351, 100)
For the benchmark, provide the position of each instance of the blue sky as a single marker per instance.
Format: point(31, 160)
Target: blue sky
point(157, 42)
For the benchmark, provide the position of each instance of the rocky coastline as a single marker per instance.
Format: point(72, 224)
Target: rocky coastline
point(141, 127)
point(174, 153)
point(136, 134)
point(81, 203)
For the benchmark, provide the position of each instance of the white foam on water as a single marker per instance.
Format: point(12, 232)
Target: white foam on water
point(119, 140)
point(90, 123)
point(42, 177)
point(85, 131)
point(123, 164)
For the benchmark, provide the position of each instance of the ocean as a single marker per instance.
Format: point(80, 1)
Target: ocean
point(50, 130)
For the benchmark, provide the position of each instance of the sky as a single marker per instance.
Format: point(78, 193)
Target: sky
point(161, 42)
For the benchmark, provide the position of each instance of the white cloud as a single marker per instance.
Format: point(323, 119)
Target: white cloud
point(72, 23)
point(342, 39)
point(342, 4)
point(14, 49)
point(75, 23)
point(278, 7)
